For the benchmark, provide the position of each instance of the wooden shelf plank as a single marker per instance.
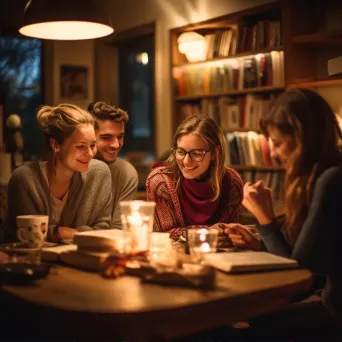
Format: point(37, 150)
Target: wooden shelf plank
point(319, 38)
point(318, 83)
point(256, 168)
point(232, 92)
point(236, 56)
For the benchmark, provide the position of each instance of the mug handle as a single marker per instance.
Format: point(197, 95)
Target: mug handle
point(19, 235)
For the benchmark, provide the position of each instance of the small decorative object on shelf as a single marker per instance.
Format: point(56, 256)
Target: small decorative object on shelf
point(192, 44)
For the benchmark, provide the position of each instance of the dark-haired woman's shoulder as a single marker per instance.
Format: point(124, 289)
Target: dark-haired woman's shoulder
point(331, 177)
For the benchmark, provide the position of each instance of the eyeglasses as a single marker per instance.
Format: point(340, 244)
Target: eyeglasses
point(196, 155)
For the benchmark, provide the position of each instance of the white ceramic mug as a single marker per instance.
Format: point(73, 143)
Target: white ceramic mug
point(32, 229)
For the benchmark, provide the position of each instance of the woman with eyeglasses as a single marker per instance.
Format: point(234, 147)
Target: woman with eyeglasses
point(194, 186)
point(305, 135)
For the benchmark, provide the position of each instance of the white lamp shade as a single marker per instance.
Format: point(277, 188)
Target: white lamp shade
point(65, 20)
point(193, 45)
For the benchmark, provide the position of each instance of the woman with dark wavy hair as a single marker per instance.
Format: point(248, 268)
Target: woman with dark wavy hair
point(194, 186)
point(305, 135)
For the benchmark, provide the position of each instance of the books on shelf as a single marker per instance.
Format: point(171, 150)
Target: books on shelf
point(273, 179)
point(263, 34)
point(241, 112)
point(221, 43)
point(249, 149)
point(232, 74)
point(248, 261)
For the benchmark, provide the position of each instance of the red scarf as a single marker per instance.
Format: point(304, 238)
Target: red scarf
point(194, 198)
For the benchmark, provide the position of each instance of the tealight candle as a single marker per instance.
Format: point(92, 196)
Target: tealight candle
point(202, 241)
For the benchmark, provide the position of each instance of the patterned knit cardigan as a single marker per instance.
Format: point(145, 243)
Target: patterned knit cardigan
point(169, 216)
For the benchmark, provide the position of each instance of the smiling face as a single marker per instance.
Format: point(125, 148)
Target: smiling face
point(282, 145)
point(77, 150)
point(192, 169)
point(109, 139)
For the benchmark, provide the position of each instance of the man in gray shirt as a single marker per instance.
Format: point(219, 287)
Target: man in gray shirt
point(110, 130)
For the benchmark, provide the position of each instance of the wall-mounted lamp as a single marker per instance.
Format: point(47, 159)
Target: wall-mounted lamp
point(65, 20)
point(142, 58)
point(193, 45)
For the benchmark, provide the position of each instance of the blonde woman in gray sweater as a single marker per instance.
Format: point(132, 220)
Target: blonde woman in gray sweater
point(70, 187)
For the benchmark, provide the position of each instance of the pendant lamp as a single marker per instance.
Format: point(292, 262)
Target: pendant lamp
point(65, 20)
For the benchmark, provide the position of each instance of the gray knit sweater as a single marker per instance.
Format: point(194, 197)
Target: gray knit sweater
point(124, 187)
point(88, 205)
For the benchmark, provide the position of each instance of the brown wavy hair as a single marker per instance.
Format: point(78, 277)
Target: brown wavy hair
point(308, 119)
point(210, 131)
point(106, 111)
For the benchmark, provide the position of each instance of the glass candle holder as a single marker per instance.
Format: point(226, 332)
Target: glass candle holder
point(162, 253)
point(137, 219)
point(202, 241)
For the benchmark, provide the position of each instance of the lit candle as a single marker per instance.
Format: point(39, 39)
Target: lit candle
point(139, 232)
point(203, 234)
point(205, 248)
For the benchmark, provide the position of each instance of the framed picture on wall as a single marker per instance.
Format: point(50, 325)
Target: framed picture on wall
point(74, 82)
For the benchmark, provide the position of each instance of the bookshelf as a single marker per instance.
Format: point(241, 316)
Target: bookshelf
point(313, 35)
point(243, 70)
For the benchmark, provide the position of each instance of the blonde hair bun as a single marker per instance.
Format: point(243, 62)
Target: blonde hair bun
point(60, 122)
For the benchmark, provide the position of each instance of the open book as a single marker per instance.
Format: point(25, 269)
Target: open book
point(104, 240)
point(248, 261)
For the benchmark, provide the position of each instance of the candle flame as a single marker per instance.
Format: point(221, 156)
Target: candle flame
point(205, 248)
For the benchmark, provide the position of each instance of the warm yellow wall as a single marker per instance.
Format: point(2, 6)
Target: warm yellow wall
point(334, 96)
point(78, 53)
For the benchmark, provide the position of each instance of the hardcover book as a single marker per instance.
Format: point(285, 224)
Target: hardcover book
point(248, 261)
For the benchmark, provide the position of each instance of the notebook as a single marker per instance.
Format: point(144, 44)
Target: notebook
point(248, 261)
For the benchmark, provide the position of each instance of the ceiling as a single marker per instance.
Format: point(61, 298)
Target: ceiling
point(11, 14)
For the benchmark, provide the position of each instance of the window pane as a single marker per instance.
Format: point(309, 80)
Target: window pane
point(20, 82)
point(136, 93)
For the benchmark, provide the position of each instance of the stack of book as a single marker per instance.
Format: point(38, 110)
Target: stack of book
point(88, 250)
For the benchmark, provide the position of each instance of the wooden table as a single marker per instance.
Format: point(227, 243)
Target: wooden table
point(77, 304)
